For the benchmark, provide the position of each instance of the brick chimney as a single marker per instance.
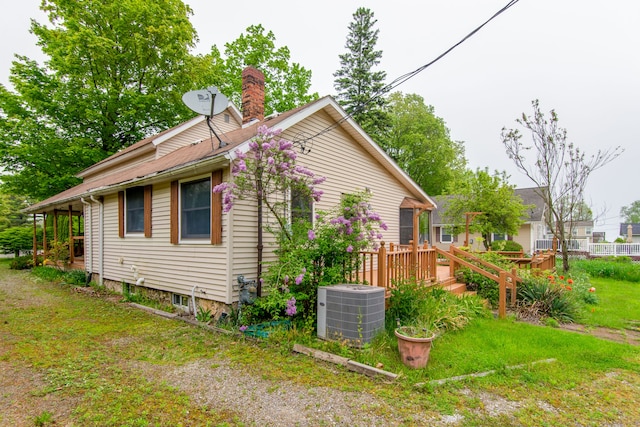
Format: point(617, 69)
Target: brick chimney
point(252, 94)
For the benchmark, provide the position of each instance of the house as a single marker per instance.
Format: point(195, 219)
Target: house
point(152, 223)
point(532, 229)
point(630, 232)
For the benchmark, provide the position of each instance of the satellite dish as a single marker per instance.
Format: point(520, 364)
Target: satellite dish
point(207, 102)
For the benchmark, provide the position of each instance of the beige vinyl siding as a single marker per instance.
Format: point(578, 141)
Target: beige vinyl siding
point(198, 132)
point(349, 168)
point(524, 237)
point(119, 167)
point(167, 267)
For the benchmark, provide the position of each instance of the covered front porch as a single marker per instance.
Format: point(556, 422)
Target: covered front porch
point(62, 241)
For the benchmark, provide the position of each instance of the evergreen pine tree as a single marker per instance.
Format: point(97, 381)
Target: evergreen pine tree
point(359, 87)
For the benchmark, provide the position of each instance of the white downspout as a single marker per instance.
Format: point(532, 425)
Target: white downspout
point(100, 240)
point(88, 248)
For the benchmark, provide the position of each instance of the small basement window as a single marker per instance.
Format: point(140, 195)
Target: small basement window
point(180, 301)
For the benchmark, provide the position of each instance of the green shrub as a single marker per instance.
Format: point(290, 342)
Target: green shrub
point(21, 263)
point(75, 277)
point(506, 245)
point(485, 287)
point(415, 303)
point(542, 297)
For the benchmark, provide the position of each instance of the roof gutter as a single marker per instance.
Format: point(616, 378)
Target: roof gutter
point(222, 160)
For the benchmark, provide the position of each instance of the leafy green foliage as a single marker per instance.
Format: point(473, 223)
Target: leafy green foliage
point(631, 213)
point(502, 211)
point(359, 87)
point(420, 143)
point(10, 211)
point(485, 287)
point(430, 308)
point(114, 74)
point(618, 269)
point(286, 84)
point(506, 245)
point(204, 315)
point(544, 297)
point(16, 239)
point(22, 262)
point(326, 254)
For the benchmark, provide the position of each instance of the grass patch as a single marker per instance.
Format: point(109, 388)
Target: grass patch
point(618, 307)
point(91, 351)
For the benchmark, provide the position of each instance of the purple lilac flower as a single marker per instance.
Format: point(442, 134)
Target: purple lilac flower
point(384, 226)
point(349, 248)
point(243, 328)
point(299, 278)
point(311, 235)
point(291, 307)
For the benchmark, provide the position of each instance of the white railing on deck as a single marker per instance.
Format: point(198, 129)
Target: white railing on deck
point(594, 249)
point(614, 249)
point(581, 245)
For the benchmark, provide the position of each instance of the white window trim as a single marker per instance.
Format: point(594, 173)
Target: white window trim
point(442, 232)
point(200, 240)
point(126, 216)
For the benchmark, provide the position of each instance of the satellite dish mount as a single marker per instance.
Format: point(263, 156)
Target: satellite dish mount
point(208, 102)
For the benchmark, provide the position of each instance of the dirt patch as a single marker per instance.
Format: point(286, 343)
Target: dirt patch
point(626, 336)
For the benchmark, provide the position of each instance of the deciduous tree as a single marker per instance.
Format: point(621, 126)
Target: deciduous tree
point(480, 191)
point(631, 213)
point(419, 142)
point(287, 83)
point(114, 74)
point(559, 169)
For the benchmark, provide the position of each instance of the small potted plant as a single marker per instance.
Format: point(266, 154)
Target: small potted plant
point(414, 343)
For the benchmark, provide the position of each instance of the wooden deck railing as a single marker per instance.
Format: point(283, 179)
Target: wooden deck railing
point(385, 266)
point(505, 279)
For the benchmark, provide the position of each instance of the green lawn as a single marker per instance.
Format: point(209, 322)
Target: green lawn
point(618, 307)
point(87, 348)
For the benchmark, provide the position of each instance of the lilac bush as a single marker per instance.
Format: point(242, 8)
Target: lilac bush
point(266, 172)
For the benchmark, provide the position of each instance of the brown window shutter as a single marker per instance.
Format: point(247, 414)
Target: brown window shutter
point(174, 212)
point(121, 214)
point(147, 210)
point(216, 209)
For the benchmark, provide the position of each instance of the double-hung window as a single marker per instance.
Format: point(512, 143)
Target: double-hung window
point(446, 235)
point(196, 212)
point(134, 211)
point(195, 209)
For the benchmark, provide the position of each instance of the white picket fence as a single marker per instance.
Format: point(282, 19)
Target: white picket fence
point(594, 249)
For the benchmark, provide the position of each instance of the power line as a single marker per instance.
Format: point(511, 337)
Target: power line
point(400, 80)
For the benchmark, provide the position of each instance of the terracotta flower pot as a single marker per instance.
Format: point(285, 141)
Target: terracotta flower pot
point(414, 351)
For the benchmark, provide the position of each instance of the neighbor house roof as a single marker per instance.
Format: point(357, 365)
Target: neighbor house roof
point(197, 153)
point(635, 228)
point(529, 196)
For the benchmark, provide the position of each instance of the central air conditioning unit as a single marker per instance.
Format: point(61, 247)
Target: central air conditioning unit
point(350, 312)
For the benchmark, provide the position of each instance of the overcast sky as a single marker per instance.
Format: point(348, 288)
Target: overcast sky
point(579, 57)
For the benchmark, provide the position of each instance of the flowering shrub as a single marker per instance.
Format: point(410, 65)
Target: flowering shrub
point(326, 254)
point(277, 304)
point(556, 296)
point(268, 170)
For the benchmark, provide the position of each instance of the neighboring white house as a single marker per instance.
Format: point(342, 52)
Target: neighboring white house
point(151, 220)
